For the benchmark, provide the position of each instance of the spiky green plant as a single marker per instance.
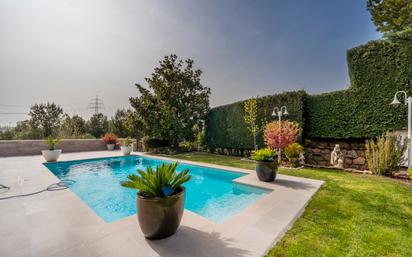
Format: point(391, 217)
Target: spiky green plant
point(385, 155)
point(152, 182)
point(127, 141)
point(51, 142)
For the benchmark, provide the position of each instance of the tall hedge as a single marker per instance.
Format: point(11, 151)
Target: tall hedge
point(226, 127)
point(376, 70)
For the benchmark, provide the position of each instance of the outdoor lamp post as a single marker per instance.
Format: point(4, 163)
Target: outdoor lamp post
point(408, 101)
point(279, 112)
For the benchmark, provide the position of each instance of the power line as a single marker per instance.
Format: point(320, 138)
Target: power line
point(12, 113)
point(96, 104)
point(14, 105)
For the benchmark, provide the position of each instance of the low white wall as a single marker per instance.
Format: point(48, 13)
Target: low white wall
point(34, 147)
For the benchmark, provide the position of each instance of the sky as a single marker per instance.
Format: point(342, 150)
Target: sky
point(68, 52)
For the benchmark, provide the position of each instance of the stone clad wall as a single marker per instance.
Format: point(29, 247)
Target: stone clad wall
point(319, 152)
point(34, 147)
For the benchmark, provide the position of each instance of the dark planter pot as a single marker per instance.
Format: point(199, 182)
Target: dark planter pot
point(159, 217)
point(266, 171)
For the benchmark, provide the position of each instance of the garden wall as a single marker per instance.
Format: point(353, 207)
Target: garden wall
point(318, 152)
point(34, 147)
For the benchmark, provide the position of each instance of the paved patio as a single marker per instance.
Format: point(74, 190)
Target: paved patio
point(59, 224)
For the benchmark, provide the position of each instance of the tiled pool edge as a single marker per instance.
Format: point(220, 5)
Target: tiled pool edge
point(253, 232)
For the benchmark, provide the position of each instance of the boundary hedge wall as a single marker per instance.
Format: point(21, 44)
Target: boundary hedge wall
point(377, 70)
point(226, 128)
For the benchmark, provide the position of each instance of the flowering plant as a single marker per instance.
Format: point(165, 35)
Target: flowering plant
point(109, 139)
point(278, 136)
point(293, 152)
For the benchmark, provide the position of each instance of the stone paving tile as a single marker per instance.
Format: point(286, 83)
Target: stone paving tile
point(55, 224)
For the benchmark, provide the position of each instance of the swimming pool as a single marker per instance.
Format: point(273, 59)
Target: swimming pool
point(210, 193)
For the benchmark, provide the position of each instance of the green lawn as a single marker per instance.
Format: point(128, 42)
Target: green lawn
point(351, 215)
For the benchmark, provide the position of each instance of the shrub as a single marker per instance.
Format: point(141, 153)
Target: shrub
point(186, 146)
point(386, 154)
point(52, 142)
point(278, 136)
point(200, 140)
point(150, 143)
point(157, 182)
point(410, 173)
point(293, 152)
point(109, 138)
point(264, 155)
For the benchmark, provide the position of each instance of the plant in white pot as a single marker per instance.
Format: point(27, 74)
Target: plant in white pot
point(52, 154)
point(160, 199)
point(110, 140)
point(126, 148)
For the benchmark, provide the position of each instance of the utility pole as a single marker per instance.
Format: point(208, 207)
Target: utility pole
point(96, 104)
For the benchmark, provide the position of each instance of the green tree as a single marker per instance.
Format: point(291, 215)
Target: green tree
point(175, 103)
point(118, 123)
point(391, 15)
point(251, 112)
point(24, 130)
point(73, 127)
point(134, 125)
point(97, 125)
point(46, 118)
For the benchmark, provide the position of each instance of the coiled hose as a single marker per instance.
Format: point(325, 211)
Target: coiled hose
point(61, 185)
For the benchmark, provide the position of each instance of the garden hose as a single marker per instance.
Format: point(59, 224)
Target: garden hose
point(61, 185)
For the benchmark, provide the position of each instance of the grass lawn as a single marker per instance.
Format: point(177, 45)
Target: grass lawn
point(351, 215)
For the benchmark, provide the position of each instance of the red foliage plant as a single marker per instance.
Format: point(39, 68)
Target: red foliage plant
point(109, 138)
point(279, 137)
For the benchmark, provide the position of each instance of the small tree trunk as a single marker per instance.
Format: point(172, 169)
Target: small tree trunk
point(254, 141)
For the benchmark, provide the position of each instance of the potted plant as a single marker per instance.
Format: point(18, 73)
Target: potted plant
point(160, 199)
point(126, 148)
point(52, 154)
point(266, 165)
point(110, 140)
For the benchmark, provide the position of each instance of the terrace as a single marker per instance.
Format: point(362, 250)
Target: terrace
point(58, 223)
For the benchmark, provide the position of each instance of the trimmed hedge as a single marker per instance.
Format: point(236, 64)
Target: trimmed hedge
point(226, 128)
point(377, 70)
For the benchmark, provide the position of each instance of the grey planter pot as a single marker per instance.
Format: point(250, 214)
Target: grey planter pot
point(266, 171)
point(159, 217)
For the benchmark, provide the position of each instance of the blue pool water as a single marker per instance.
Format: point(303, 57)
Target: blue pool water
point(210, 193)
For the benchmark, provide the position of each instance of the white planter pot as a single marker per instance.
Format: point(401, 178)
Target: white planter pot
point(110, 147)
point(51, 155)
point(126, 149)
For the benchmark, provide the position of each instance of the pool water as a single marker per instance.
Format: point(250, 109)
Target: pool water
point(210, 193)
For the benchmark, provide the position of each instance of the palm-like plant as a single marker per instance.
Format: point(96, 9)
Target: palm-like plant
point(159, 182)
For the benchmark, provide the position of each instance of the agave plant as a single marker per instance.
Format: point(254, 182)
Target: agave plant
point(159, 182)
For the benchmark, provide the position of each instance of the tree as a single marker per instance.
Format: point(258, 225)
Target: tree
point(24, 130)
point(250, 117)
point(391, 15)
point(118, 123)
point(46, 118)
point(97, 125)
point(175, 103)
point(73, 127)
point(134, 125)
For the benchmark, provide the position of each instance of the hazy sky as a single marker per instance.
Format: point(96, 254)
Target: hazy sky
point(69, 51)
